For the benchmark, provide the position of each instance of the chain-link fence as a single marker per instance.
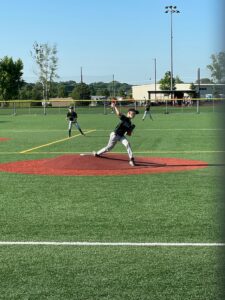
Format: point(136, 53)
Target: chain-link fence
point(55, 106)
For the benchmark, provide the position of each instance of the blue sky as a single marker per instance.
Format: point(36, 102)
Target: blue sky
point(120, 37)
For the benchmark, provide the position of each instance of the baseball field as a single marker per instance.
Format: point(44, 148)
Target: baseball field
point(132, 235)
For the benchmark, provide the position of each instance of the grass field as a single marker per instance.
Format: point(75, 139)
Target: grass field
point(182, 207)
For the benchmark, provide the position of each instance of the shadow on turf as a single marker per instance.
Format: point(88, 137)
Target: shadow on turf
point(137, 163)
point(158, 165)
point(197, 165)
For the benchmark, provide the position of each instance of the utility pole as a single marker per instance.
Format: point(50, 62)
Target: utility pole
point(113, 91)
point(155, 75)
point(81, 75)
point(199, 93)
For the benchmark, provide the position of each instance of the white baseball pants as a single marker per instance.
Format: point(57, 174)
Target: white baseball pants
point(147, 113)
point(75, 123)
point(113, 139)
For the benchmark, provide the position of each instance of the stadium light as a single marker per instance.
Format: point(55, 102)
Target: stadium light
point(171, 9)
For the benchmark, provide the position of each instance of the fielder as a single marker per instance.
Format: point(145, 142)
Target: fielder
point(147, 111)
point(118, 135)
point(72, 118)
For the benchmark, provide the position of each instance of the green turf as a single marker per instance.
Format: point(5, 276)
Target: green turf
point(175, 207)
point(105, 273)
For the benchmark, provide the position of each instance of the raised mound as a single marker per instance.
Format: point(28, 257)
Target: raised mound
point(2, 139)
point(110, 164)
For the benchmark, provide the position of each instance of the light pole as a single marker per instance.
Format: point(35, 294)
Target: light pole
point(172, 10)
point(155, 75)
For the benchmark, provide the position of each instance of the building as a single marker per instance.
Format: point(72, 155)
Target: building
point(183, 90)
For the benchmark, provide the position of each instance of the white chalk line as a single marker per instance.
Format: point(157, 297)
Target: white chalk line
point(109, 244)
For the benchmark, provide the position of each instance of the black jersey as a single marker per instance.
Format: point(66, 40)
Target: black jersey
point(125, 126)
point(72, 115)
point(147, 107)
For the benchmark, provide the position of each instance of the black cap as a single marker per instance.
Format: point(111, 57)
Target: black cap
point(70, 107)
point(134, 110)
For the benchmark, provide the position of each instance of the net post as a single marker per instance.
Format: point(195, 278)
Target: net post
point(44, 104)
point(14, 108)
point(166, 112)
point(197, 106)
point(105, 111)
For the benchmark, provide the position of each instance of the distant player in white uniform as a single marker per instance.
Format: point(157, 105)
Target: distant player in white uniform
point(72, 119)
point(118, 135)
point(147, 110)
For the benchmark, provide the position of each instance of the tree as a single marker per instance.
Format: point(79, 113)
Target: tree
point(61, 91)
point(122, 92)
point(178, 80)
point(36, 93)
point(165, 82)
point(204, 80)
point(26, 91)
point(46, 59)
point(81, 92)
point(193, 89)
point(217, 67)
point(105, 92)
point(10, 78)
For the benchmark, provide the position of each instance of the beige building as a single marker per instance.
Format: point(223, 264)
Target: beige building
point(153, 92)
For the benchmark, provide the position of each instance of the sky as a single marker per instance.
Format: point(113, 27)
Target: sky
point(120, 39)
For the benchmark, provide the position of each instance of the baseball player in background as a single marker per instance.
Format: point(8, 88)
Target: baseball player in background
point(125, 127)
point(147, 110)
point(72, 119)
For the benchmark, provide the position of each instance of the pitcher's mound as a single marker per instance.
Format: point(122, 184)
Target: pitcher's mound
point(109, 164)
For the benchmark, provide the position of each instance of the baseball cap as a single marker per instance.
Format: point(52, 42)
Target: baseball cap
point(70, 107)
point(134, 110)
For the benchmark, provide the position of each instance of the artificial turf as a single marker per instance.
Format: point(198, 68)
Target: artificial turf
point(170, 207)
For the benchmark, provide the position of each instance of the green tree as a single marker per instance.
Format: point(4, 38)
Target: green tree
point(37, 93)
point(61, 91)
point(193, 89)
point(165, 82)
point(217, 67)
point(178, 80)
point(26, 91)
point(105, 92)
point(107, 89)
point(10, 78)
point(46, 59)
point(122, 92)
point(69, 86)
point(92, 89)
point(204, 80)
point(81, 92)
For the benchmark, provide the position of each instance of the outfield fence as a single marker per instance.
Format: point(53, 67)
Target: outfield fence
point(59, 106)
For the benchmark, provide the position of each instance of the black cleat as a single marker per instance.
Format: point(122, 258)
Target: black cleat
point(131, 162)
point(95, 154)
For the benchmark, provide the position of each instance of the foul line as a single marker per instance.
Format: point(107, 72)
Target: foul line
point(58, 141)
point(118, 244)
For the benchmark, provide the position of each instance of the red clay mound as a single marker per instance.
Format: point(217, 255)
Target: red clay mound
point(3, 139)
point(110, 164)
